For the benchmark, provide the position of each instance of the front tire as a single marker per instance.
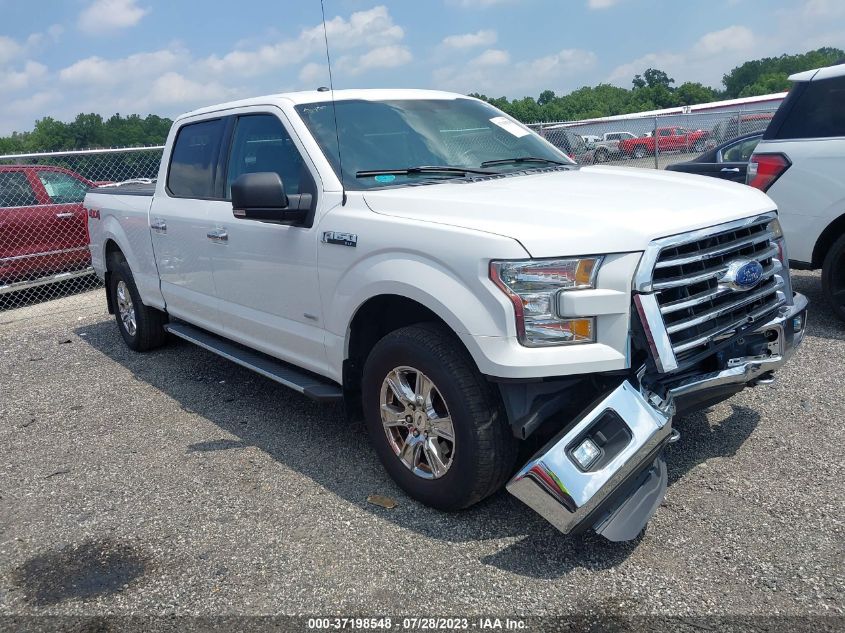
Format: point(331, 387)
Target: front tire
point(602, 156)
point(833, 277)
point(141, 327)
point(639, 152)
point(435, 422)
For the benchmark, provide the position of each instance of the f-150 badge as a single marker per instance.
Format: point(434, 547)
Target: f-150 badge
point(341, 239)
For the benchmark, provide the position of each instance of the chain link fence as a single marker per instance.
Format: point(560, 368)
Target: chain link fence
point(653, 141)
point(43, 225)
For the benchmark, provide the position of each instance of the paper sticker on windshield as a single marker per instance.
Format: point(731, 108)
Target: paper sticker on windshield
point(509, 126)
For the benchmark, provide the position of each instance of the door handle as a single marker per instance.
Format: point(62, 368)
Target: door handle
point(218, 235)
point(64, 216)
point(734, 170)
point(158, 225)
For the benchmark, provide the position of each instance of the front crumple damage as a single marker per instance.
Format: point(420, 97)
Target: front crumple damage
point(619, 491)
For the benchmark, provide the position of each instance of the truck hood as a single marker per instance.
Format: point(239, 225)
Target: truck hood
point(583, 211)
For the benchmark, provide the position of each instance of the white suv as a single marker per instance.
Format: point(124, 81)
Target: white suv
point(800, 163)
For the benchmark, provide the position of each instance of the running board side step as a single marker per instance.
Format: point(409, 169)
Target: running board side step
point(276, 370)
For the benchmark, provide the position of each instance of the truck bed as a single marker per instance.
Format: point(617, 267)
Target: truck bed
point(126, 189)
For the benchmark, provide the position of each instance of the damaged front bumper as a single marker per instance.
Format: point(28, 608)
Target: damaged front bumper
point(617, 480)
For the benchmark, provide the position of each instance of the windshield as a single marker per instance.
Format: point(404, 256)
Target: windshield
point(401, 134)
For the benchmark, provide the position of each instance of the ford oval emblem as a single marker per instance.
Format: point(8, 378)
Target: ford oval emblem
point(742, 274)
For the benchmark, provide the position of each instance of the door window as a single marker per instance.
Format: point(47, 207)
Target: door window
point(15, 190)
point(261, 144)
point(63, 188)
point(740, 152)
point(194, 159)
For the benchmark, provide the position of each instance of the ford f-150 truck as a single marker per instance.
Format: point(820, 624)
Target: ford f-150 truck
point(668, 139)
point(499, 315)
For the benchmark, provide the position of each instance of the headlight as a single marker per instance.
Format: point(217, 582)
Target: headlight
point(779, 241)
point(533, 285)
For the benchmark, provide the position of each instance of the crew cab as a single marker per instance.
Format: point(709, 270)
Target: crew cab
point(457, 280)
point(665, 139)
point(43, 226)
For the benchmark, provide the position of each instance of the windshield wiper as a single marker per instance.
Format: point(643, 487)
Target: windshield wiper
point(423, 169)
point(522, 159)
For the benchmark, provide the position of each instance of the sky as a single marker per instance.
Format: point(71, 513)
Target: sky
point(62, 57)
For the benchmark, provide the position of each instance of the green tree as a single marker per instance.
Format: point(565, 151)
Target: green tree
point(759, 74)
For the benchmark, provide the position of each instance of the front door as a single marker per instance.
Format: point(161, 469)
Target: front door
point(266, 274)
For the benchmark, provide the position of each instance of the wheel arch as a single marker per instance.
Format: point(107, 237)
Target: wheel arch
point(830, 234)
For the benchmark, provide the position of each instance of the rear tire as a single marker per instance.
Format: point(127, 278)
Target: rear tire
point(482, 453)
point(833, 277)
point(141, 327)
point(601, 156)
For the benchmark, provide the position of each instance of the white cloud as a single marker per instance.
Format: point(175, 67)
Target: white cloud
point(9, 49)
point(492, 57)
point(14, 80)
point(103, 17)
point(732, 38)
point(99, 71)
point(373, 28)
point(493, 73)
point(814, 9)
point(174, 88)
point(381, 57)
point(706, 61)
point(602, 4)
point(312, 73)
point(470, 40)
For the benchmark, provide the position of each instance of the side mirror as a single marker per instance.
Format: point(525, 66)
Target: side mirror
point(261, 196)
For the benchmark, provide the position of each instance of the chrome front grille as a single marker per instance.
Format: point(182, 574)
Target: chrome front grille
point(687, 309)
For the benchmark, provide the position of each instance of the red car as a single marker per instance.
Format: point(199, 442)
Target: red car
point(43, 226)
point(668, 139)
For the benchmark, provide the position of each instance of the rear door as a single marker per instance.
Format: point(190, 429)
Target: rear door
point(67, 215)
point(180, 220)
point(27, 232)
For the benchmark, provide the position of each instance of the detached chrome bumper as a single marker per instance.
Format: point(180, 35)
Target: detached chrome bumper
point(621, 489)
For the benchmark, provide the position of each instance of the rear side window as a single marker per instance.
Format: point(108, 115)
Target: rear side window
point(818, 111)
point(194, 159)
point(15, 190)
point(62, 188)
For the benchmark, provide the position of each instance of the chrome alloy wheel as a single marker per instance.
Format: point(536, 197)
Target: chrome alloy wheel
point(417, 423)
point(125, 308)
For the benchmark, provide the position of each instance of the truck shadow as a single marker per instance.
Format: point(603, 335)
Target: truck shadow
point(318, 442)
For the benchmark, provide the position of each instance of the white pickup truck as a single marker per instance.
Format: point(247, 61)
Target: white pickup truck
point(498, 315)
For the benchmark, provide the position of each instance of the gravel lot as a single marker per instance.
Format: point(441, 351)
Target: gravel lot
point(177, 482)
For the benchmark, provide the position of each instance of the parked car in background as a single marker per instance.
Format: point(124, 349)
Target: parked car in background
point(607, 147)
point(569, 143)
point(800, 163)
point(466, 288)
point(590, 139)
point(737, 125)
point(43, 226)
point(668, 139)
point(728, 161)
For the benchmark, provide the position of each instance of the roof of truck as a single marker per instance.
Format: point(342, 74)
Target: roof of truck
point(318, 96)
